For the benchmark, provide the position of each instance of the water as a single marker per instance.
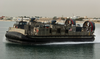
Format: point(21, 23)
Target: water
point(57, 50)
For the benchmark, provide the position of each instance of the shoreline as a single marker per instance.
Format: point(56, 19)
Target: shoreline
point(84, 21)
point(5, 20)
point(76, 21)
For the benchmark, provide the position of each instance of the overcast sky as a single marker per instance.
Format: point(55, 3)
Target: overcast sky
point(50, 8)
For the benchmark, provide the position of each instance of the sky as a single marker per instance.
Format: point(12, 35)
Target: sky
point(50, 8)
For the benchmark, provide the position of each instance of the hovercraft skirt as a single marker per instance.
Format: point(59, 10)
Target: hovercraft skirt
point(20, 38)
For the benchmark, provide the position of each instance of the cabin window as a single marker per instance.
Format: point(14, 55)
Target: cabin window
point(20, 23)
point(24, 23)
point(66, 31)
point(58, 30)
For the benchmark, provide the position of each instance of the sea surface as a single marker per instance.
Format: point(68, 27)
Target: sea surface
point(56, 50)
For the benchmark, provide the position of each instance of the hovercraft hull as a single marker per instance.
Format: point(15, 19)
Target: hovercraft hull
point(20, 38)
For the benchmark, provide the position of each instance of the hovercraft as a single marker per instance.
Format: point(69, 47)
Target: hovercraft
point(35, 32)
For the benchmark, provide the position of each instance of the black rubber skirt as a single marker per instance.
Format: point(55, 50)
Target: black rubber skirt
point(20, 38)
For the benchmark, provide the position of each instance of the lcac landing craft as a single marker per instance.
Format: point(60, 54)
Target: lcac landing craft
point(35, 32)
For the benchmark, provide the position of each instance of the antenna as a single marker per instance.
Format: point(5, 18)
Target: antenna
point(22, 19)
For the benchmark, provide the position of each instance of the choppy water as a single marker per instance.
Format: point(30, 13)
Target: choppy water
point(57, 50)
